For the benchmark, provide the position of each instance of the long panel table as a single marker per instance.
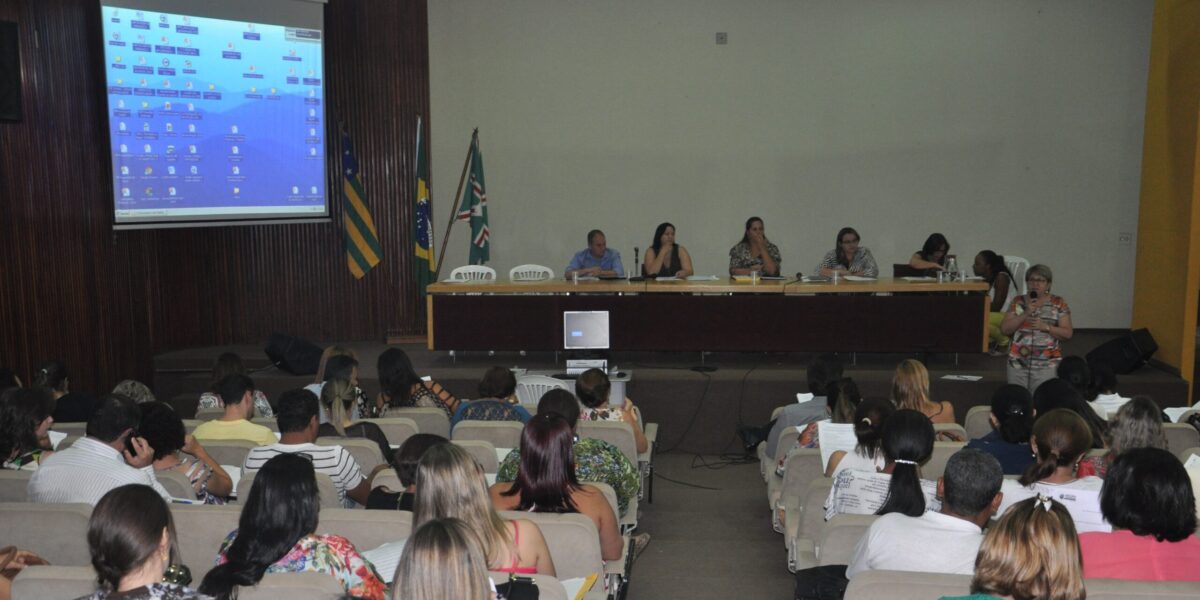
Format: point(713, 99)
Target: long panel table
point(725, 315)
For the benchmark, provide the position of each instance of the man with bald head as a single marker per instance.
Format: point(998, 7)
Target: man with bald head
point(596, 260)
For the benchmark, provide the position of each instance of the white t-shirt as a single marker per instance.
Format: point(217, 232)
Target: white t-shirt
point(856, 461)
point(1106, 405)
point(862, 493)
point(1080, 497)
point(334, 461)
point(931, 543)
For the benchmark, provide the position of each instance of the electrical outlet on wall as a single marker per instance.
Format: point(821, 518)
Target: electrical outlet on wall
point(722, 38)
point(1124, 238)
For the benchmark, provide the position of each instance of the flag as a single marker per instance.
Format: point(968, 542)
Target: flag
point(474, 208)
point(361, 239)
point(425, 263)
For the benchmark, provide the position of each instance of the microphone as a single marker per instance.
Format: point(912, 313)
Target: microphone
point(636, 262)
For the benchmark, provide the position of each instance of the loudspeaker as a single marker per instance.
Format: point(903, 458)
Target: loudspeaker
point(292, 354)
point(10, 73)
point(1126, 353)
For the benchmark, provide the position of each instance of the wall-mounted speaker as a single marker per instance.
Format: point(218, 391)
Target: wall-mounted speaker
point(10, 72)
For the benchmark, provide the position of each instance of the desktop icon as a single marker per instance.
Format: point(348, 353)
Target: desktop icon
point(273, 91)
point(171, 191)
point(170, 127)
point(125, 192)
point(124, 170)
point(237, 190)
point(146, 148)
point(312, 151)
point(191, 128)
point(312, 190)
point(235, 150)
point(295, 190)
point(191, 148)
point(145, 104)
point(252, 68)
point(117, 58)
point(141, 60)
point(149, 191)
point(166, 83)
point(236, 170)
point(171, 149)
point(145, 127)
point(166, 62)
point(121, 126)
point(253, 89)
point(124, 148)
point(166, 106)
point(121, 103)
point(233, 129)
point(188, 85)
point(191, 106)
point(170, 169)
point(148, 171)
point(195, 169)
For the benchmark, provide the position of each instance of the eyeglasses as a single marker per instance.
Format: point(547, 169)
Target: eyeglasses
point(853, 242)
point(1037, 280)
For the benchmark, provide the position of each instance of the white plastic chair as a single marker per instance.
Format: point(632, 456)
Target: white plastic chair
point(1017, 266)
point(530, 388)
point(473, 273)
point(530, 273)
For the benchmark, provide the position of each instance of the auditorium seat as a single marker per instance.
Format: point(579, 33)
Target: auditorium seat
point(397, 429)
point(79, 429)
point(502, 434)
point(549, 588)
point(800, 468)
point(294, 586)
point(199, 531)
point(977, 421)
point(268, 422)
point(229, 452)
point(620, 434)
point(804, 527)
point(1181, 436)
point(14, 485)
point(366, 529)
point(955, 432)
point(531, 388)
point(428, 420)
point(483, 451)
point(185, 404)
point(899, 585)
point(572, 538)
point(325, 487)
point(388, 479)
point(56, 532)
point(209, 414)
point(1186, 454)
point(841, 534)
point(936, 465)
point(46, 581)
point(176, 484)
point(365, 452)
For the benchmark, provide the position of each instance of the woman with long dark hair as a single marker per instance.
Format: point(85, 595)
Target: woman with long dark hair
point(907, 442)
point(992, 268)
point(402, 387)
point(869, 417)
point(132, 540)
point(1012, 425)
point(69, 406)
point(25, 423)
point(546, 481)
point(228, 364)
point(1057, 393)
point(932, 255)
point(276, 534)
point(665, 258)
point(848, 258)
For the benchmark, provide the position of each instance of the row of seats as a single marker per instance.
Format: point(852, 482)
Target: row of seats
point(58, 532)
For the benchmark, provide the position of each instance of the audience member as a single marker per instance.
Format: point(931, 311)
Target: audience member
point(546, 483)
point(841, 401)
point(1147, 498)
point(236, 393)
point(345, 367)
point(132, 540)
point(824, 369)
point(228, 364)
point(442, 559)
point(69, 407)
point(450, 484)
point(937, 542)
point(322, 366)
point(1031, 553)
point(339, 401)
point(1075, 371)
point(1103, 397)
point(907, 442)
point(593, 389)
point(1056, 393)
point(402, 387)
point(25, 423)
point(297, 419)
point(1060, 440)
point(1137, 424)
point(277, 534)
point(112, 455)
point(869, 419)
point(1012, 425)
point(497, 400)
point(910, 389)
point(405, 463)
point(164, 431)
point(134, 390)
point(595, 460)
point(990, 266)
point(13, 560)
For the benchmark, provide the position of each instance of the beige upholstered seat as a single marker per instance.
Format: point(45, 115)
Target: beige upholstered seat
point(936, 465)
point(397, 429)
point(199, 531)
point(483, 451)
point(42, 582)
point(366, 529)
point(839, 537)
point(14, 485)
point(294, 586)
point(176, 484)
point(977, 423)
point(1181, 436)
point(56, 532)
point(365, 452)
point(573, 540)
point(229, 452)
point(325, 487)
point(428, 420)
point(502, 434)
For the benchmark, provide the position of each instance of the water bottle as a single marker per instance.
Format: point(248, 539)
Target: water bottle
point(836, 275)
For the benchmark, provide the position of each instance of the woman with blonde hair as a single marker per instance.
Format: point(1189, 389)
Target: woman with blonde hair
point(442, 559)
point(910, 389)
point(450, 484)
point(1032, 552)
point(340, 402)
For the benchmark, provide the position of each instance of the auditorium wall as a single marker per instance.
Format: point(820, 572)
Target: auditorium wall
point(107, 301)
point(1015, 126)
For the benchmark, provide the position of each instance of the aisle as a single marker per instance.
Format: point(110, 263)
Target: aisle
point(710, 544)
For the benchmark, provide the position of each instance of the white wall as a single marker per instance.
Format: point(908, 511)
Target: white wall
point(1010, 125)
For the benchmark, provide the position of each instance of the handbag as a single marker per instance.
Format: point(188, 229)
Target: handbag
point(518, 588)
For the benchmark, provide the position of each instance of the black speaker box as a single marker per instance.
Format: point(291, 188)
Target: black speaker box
point(294, 355)
point(1127, 353)
point(10, 73)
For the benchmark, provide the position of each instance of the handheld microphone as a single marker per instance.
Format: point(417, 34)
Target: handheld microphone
point(636, 262)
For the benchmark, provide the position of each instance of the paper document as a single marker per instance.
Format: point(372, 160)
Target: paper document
point(235, 475)
point(801, 398)
point(813, 278)
point(962, 377)
point(576, 587)
point(491, 478)
point(666, 279)
point(834, 437)
point(858, 278)
point(56, 437)
point(918, 278)
point(1193, 462)
point(773, 278)
point(1176, 411)
point(501, 453)
point(385, 558)
point(702, 278)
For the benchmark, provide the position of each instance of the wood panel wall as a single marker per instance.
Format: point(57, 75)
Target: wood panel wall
point(107, 301)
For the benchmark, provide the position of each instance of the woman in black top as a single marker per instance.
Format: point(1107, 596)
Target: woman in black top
point(665, 258)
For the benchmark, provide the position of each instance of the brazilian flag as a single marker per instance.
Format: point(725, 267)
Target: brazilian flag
point(361, 239)
point(425, 263)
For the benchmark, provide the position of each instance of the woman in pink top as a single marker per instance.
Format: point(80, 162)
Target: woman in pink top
point(1147, 498)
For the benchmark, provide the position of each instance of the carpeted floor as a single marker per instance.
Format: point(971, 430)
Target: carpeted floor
point(709, 543)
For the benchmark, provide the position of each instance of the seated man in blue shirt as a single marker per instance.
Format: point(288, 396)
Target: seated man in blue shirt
point(597, 260)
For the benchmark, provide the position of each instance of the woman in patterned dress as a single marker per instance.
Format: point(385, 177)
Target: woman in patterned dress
point(1038, 322)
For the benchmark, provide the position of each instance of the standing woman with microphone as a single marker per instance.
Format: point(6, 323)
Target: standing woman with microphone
point(1037, 321)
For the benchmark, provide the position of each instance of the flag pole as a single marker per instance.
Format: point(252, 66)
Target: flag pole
point(454, 208)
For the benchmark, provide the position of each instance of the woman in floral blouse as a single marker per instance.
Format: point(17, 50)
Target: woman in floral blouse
point(276, 534)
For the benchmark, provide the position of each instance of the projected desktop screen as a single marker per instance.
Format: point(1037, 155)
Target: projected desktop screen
point(585, 330)
point(215, 111)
